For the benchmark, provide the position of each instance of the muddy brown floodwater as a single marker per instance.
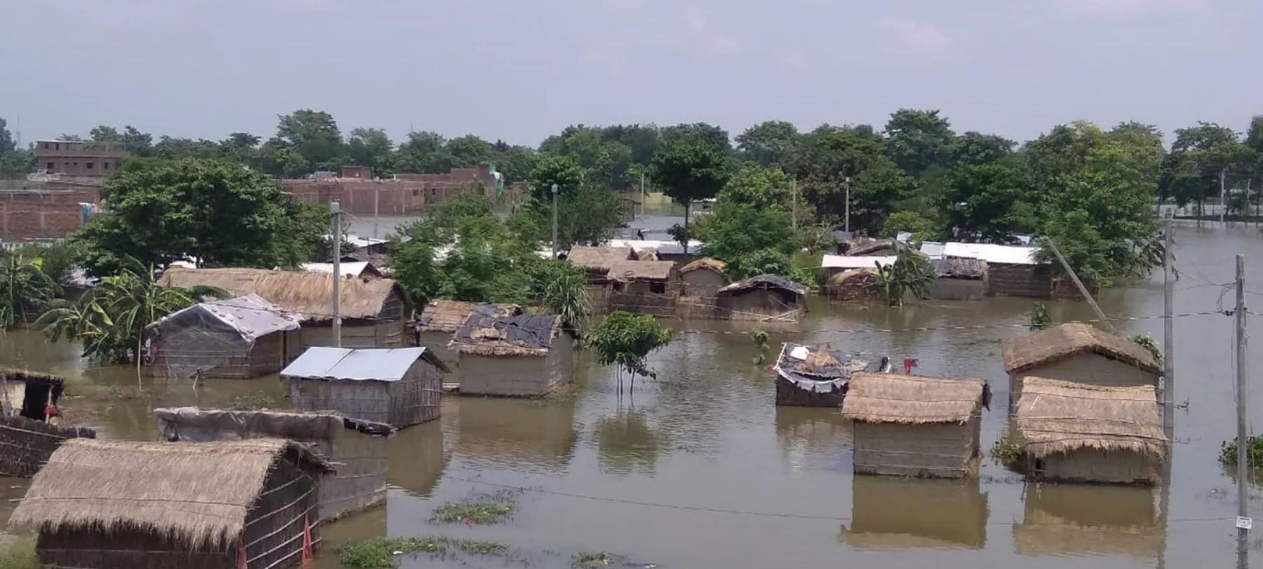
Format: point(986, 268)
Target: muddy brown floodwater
point(700, 470)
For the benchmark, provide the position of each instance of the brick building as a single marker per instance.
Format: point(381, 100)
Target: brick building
point(78, 158)
point(404, 194)
point(43, 210)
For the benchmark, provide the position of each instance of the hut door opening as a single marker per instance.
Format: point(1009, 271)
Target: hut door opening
point(35, 401)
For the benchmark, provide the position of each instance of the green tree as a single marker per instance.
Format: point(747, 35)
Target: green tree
point(1200, 159)
point(104, 133)
point(563, 289)
point(314, 135)
point(625, 340)
point(218, 213)
point(607, 162)
point(14, 162)
point(169, 148)
point(832, 156)
point(423, 152)
point(587, 216)
point(469, 151)
point(922, 228)
point(985, 202)
point(241, 148)
point(977, 148)
point(918, 140)
point(553, 169)
point(735, 231)
point(25, 290)
point(136, 142)
point(371, 147)
point(766, 188)
point(770, 144)
point(516, 163)
point(910, 273)
point(693, 163)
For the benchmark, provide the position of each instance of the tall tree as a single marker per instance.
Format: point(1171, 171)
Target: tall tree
point(1200, 159)
point(694, 162)
point(104, 133)
point(14, 162)
point(552, 169)
point(314, 135)
point(136, 142)
point(371, 147)
point(212, 211)
point(424, 153)
point(469, 151)
point(832, 156)
point(918, 140)
point(985, 202)
point(977, 148)
point(770, 143)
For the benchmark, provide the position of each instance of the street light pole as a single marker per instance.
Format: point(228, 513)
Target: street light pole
point(554, 188)
point(846, 185)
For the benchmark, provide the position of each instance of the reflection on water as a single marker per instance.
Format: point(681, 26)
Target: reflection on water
point(810, 434)
point(1068, 519)
point(626, 443)
point(416, 459)
point(529, 434)
point(897, 513)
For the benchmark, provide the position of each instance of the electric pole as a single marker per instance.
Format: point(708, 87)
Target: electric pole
point(376, 189)
point(642, 193)
point(1083, 290)
point(846, 185)
point(1168, 331)
point(335, 210)
point(554, 188)
point(793, 190)
point(1243, 448)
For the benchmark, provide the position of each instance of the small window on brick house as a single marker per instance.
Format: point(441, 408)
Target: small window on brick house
point(416, 192)
point(51, 167)
point(105, 165)
point(658, 288)
point(89, 165)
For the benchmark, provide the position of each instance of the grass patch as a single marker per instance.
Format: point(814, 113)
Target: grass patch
point(19, 554)
point(482, 511)
point(477, 547)
point(251, 402)
point(380, 553)
point(594, 559)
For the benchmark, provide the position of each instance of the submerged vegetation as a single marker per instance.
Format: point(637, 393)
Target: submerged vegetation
point(485, 510)
point(1006, 452)
point(380, 553)
point(480, 547)
point(1039, 318)
point(594, 559)
point(1228, 452)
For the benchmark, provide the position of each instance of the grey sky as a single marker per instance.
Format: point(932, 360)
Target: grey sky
point(523, 70)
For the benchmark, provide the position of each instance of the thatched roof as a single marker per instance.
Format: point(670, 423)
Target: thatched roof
point(766, 281)
point(1065, 340)
point(706, 263)
point(894, 398)
point(641, 270)
point(447, 315)
point(28, 376)
point(958, 268)
point(1056, 416)
point(598, 259)
point(486, 333)
point(197, 494)
point(871, 247)
point(309, 294)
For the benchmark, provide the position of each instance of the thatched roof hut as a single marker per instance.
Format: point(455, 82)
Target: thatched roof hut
point(763, 297)
point(1080, 353)
point(1065, 340)
point(356, 446)
point(852, 284)
point(441, 318)
point(1087, 432)
point(374, 310)
point(150, 505)
point(515, 355)
point(915, 426)
point(598, 259)
point(874, 247)
point(641, 271)
point(704, 277)
point(704, 264)
point(26, 436)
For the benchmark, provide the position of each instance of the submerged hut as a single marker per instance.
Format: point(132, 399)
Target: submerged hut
point(375, 312)
point(1079, 353)
point(817, 376)
point(441, 318)
point(104, 505)
point(596, 263)
point(763, 298)
point(959, 279)
point(915, 426)
point(356, 446)
point(238, 338)
point(520, 356)
point(852, 284)
point(28, 400)
point(1090, 433)
point(704, 277)
point(400, 386)
point(644, 287)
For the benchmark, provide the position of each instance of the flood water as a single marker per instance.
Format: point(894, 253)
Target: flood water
point(701, 470)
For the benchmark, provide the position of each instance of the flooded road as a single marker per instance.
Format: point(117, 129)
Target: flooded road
point(701, 470)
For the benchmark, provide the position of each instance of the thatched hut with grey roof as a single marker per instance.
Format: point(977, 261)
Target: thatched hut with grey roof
point(356, 446)
point(1079, 353)
point(914, 425)
point(237, 338)
point(596, 262)
point(763, 298)
point(704, 277)
point(104, 505)
point(1091, 433)
point(644, 287)
point(375, 312)
point(517, 356)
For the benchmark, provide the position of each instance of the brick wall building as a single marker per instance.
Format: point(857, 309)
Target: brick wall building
point(78, 158)
point(405, 194)
point(43, 211)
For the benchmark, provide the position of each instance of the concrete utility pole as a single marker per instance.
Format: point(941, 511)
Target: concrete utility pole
point(376, 188)
point(1168, 330)
point(1223, 199)
point(1083, 290)
point(335, 211)
point(554, 188)
point(1243, 448)
point(793, 190)
point(846, 185)
point(642, 194)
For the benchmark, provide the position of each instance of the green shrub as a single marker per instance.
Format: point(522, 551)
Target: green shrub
point(1228, 452)
point(488, 510)
point(477, 547)
point(1006, 452)
point(594, 559)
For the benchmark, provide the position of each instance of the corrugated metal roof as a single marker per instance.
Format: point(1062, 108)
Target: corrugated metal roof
point(932, 249)
point(367, 364)
point(351, 269)
point(850, 262)
point(250, 315)
point(1003, 254)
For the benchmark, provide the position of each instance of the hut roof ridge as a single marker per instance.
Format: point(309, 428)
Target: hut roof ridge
point(896, 398)
point(306, 293)
point(1055, 416)
point(1065, 340)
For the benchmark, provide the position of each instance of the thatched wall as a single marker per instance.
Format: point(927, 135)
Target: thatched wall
point(356, 334)
point(699, 308)
point(1085, 368)
point(274, 527)
point(931, 450)
point(892, 513)
point(1029, 281)
point(409, 401)
point(599, 297)
point(758, 304)
point(221, 354)
point(636, 298)
point(128, 548)
point(957, 289)
point(703, 282)
point(517, 376)
point(26, 444)
point(1092, 465)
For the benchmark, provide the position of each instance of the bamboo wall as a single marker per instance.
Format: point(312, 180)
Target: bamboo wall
point(931, 450)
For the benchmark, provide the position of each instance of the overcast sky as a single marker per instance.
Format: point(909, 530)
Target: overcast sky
point(521, 70)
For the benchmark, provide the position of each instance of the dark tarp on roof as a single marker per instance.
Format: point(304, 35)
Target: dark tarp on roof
point(486, 332)
point(959, 268)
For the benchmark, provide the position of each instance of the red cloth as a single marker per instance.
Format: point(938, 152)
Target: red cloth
point(308, 556)
point(52, 411)
point(241, 552)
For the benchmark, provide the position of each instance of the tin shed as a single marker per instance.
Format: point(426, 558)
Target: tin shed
point(915, 426)
point(238, 338)
point(400, 386)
